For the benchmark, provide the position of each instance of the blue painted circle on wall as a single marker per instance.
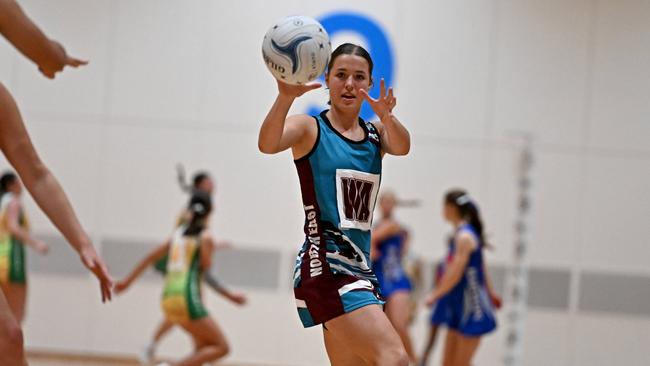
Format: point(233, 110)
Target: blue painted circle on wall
point(377, 44)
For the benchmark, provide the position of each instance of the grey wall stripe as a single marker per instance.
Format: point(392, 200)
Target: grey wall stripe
point(498, 277)
point(616, 293)
point(254, 268)
point(60, 260)
point(121, 256)
point(549, 288)
point(261, 269)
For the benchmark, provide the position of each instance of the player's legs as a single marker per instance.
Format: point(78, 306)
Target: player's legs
point(459, 349)
point(465, 349)
point(163, 328)
point(11, 336)
point(209, 341)
point(16, 296)
point(398, 311)
point(148, 352)
point(451, 341)
point(429, 345)
point(340, 353)
point(368, 332)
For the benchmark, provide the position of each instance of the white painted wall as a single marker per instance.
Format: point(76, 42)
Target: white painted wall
point(174, 81)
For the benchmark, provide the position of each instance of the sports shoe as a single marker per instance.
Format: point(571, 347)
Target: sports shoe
point(146, 355)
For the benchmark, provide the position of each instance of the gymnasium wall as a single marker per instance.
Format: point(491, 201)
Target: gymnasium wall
point(177, 81)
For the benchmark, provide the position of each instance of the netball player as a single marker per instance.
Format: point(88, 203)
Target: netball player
point(201, 182)
point(189, 253)
point(389, 247)
point(338, 157)
point(14, 236)
point(462, 294)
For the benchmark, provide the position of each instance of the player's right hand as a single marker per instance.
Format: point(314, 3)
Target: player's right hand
point(41, 247)
point(94, 263)
point(295, 91)
point(121, 286)
point(49, 70)
point(238, 298)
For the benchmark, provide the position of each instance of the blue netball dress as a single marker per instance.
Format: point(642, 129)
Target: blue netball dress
point(388, 267)
point(339, 181)
point(467, 307)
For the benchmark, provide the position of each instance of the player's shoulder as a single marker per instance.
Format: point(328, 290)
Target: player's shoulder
point(303, 121)
point(466, 239)
point(301, 118)
point(207, 237)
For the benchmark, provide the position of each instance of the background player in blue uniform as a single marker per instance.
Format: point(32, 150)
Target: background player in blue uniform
point(462, 294)
point(338, 158)
point(440, 314)
point(389, 247)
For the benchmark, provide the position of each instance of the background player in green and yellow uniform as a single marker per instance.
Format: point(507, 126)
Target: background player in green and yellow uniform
point(201, 182)
point(165, 326)
point(14, 236)
point(189, 253)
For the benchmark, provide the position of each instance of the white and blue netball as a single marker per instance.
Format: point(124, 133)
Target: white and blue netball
point(296, 49)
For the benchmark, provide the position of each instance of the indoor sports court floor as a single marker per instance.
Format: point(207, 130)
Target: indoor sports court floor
point(51, 359)
point(48, 359)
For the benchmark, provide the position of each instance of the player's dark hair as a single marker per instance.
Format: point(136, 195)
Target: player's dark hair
point(6, 180)
point(199, 206)
point(467, 209)
point(350, 49)
point(198, 178)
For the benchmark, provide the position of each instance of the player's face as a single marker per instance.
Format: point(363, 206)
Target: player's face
point(449, 212)
point(206, 185)
point(348, 75)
